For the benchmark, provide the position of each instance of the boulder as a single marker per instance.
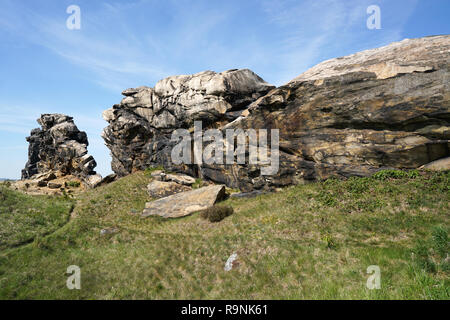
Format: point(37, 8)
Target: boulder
point(438, 165)
point(180, 179)
point(160, 189)
point(42, 183)
point(93, 181)
point(53, 185)
point(185, 203)
point(108, 179)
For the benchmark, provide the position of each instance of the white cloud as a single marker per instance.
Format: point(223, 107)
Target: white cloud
point(313, 29)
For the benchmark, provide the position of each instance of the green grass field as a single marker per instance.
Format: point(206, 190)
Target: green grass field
point(312, 241)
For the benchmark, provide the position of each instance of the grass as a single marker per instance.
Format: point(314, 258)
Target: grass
point(148, 172)
point(312, 241)
point(24, 218)
point(73, 184)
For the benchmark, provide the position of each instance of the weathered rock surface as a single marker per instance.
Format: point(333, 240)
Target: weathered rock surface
point(382, 108)
point(387, 107)
point(185, 203)
point(140, 127)
point(438, 165)
point(58, 148)
point(160, 189)
point(180, 179)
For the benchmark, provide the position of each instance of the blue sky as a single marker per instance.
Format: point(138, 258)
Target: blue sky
point(48, 68)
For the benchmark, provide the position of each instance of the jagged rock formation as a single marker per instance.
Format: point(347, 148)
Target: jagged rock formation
point(58, 148)
point(140, 126)
point(382, 108)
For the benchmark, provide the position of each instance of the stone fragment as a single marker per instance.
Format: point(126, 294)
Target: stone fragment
point(185, 203)
point(160, 189)
point(180, 179)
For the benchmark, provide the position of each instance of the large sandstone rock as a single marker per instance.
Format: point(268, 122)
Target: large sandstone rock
point(382, 108)
point(185, 203)
point(140, 126)
point(58, 147)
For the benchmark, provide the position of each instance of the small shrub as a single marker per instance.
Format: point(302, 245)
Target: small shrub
point(217, 213)
point(412, 174)
point(389, 174)
point(73, 184)
point(329, 241)
point(326, 198)
point(358, 185)
point(197, 184)
point(65, 195)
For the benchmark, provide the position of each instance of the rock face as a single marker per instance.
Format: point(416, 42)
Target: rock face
point(140, 127)
point(185, 203)
point(387, 107)
point(382, 108)
point(58, 147)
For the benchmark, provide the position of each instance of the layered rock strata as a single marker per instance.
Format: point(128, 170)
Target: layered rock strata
point(382, 108)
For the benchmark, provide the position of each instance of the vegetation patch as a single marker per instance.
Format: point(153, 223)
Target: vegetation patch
point(217, 213)
point(24, 217)
point(312, 241)
point(73, 184)
point(432, 254)
point(148, 172)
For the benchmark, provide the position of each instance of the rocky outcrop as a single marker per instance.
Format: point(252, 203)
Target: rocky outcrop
point(58, 148)
point(185, 203)
point(386, 107)
point(382, 108)
point(140, 127)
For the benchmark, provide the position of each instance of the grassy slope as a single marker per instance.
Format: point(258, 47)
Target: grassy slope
point(307, 242)
point(24, 218)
